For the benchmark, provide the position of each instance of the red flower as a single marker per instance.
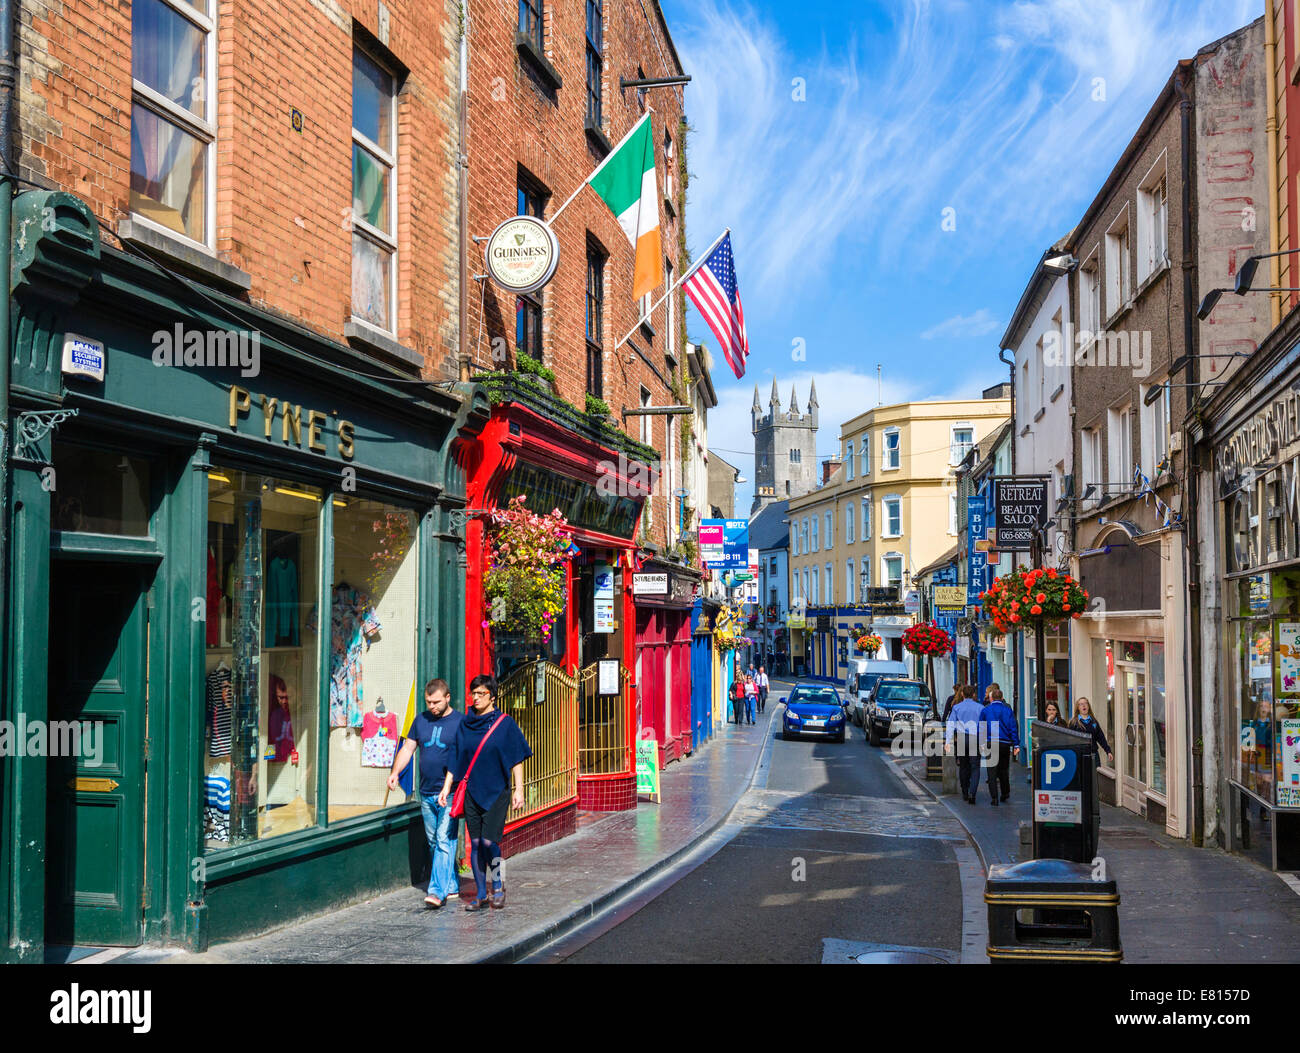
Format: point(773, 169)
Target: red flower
point(1035, 609)
point(1041, 597)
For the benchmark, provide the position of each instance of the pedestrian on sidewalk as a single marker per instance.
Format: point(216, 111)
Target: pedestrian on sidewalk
point(958, 693)
point(1052, 715)
point(1085, 721)
point(998, 729)
point(751, 697)
point(762, 688)
point(434, 733)
point(738, 700)
point(962, 734)
point(490, 754)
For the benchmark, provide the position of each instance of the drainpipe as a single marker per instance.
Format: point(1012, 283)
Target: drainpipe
point(1192, 569)
point(8, 91)
point(1270, 136)
point(462, 204)
point(1016, 638)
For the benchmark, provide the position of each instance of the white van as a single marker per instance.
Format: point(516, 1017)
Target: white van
point(863, 674)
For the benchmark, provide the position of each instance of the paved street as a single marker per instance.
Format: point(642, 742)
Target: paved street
point(833, 855)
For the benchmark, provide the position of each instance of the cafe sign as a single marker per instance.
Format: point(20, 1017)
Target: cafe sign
point(522, 254)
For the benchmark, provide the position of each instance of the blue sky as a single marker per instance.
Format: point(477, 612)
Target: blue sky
point(1009, 114)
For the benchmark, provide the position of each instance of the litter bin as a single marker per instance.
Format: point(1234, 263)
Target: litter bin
point(1051, 910)
point(1067, 807)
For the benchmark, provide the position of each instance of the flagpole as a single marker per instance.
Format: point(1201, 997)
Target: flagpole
point(596, 171)
point(685, 274)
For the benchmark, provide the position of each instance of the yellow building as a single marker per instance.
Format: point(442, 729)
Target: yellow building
point(887, 506)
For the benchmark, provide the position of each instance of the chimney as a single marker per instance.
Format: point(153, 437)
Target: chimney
point(829, 467)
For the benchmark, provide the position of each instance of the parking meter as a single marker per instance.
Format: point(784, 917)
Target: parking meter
point(1066, 805)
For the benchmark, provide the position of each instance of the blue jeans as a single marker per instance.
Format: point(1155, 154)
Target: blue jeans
point(441, 830)
point(749, 708)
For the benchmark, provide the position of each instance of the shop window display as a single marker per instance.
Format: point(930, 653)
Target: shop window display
point(372, 632)
point(99, 492)
point(261, 684)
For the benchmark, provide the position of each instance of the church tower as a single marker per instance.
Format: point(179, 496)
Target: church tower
point(785, 448)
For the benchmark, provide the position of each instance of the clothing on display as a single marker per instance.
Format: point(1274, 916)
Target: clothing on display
point(220, 710)
point(353, 624)
point(216, 808)
point(215, 596)
point(379, 740)
point(281, 613)
point(280, 722)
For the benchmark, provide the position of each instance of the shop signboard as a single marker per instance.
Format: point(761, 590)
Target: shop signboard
point(1020, 510)
point(912, 602)
point(978, 571)
point(647, 768)
point(607, 676)
point(521, 254)
point(649, 584)
point(949, 597)
point(945, 575)
point(724, 544)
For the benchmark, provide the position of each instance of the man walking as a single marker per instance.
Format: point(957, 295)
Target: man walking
point(963, 732)
point(434, 733)
point(762, 688)
point(998, 729)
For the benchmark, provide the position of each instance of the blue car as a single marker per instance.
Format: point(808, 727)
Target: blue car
point(813, 710)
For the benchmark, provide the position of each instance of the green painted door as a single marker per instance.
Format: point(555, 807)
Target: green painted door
point(94, 874)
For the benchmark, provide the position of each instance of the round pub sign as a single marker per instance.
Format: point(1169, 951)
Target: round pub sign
point(522, 254)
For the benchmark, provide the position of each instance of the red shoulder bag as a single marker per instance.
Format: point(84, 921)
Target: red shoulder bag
point(458, 798)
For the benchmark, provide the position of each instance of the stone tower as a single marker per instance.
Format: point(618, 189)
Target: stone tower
point(785, 448)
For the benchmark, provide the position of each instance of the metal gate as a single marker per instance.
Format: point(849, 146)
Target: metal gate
point(551, 773)
point(602, 724)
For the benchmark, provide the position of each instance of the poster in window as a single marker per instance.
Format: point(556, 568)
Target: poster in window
point(1288, 657)
point(1288, 790)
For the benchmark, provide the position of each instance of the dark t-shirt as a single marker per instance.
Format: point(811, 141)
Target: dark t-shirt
point(506, 748)
point(437, 742)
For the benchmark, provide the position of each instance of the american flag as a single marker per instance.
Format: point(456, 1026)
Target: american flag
point(712, 288)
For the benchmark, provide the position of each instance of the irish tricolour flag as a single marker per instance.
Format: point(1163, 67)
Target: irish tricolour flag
point(625, 181)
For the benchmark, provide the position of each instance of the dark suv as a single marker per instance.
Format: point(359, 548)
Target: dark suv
point(896, 704)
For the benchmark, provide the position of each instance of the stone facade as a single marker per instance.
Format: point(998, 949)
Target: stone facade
point(785, 448)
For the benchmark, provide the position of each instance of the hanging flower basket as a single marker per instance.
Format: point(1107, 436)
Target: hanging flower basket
point(927, 639)
point(868, 642)
point(523, 589)
point(1026, 599)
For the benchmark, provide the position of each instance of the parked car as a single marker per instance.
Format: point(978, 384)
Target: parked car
point(863, 676)
point(896, 704)
point(813, 709)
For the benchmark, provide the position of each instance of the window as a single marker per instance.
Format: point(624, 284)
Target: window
point(1152, 221)
point(794, 589)
point(848, 462)
point(1089, 302)
point(772, 568)
point(817, 586)
point(530, 21)
point(643, 308)
point(866, 578)
point(848, 581)
point(893, 569)
point(647, 422)
point(1119, 437)
point(374, 193)
point(891, 511)
point(794, 537)
point(805, 535)
point(963, 438)
point(830, 586)
point(830, 530)
point(595, 322)
point(173, 66)
point(265, 715)
point(952, 514)
point(866, 454)
point(528, 308)
point(891, 454)
point(1155, 429)
point(670, 168)
point(1092, 473)
point(1118, 272)
point(806, 594)
point(815, 546)
point(848, 524)
point(595, 61)
point(866, 519)
point(796, 456)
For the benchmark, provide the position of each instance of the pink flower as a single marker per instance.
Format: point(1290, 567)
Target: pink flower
point(485, 624)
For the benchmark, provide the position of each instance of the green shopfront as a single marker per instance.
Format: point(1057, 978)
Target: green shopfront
point(231, 581)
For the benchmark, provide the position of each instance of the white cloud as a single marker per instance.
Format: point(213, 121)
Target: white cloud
point(964, 326)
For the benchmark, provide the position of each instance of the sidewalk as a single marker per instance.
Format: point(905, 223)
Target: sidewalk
point(550, 890)
point(1178, 903)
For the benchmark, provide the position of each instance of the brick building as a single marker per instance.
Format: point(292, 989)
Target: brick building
point(235, 267)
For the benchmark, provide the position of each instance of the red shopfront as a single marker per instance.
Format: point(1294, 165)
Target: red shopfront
point(582, 734)
point(663, 595)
